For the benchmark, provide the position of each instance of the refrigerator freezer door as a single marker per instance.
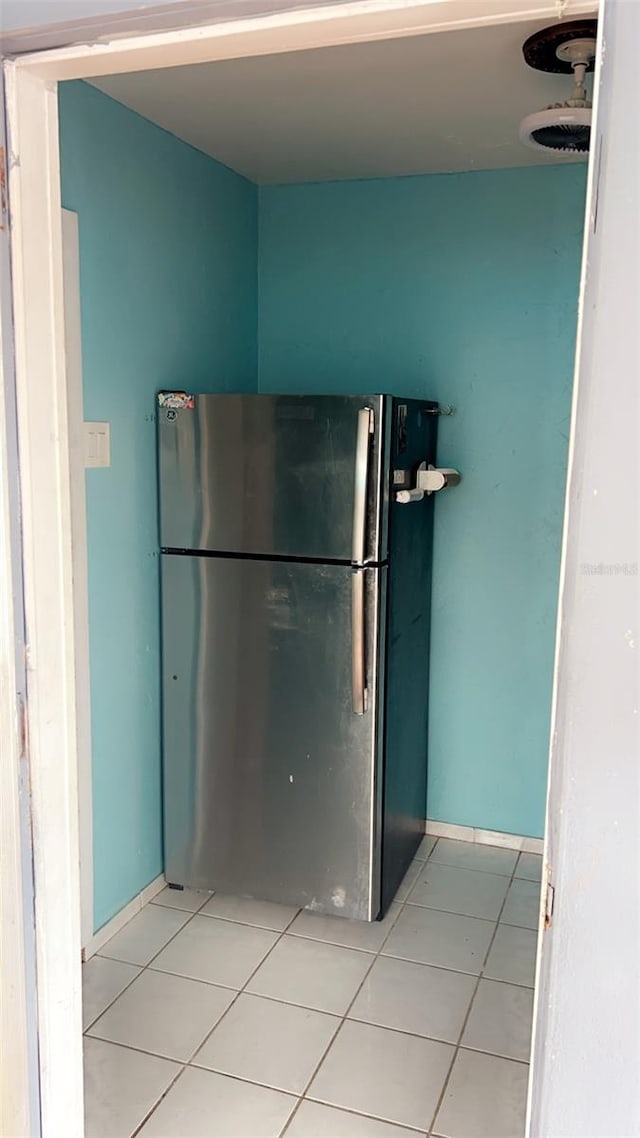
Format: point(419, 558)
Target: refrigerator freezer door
point(272, 782)
point(275, 475)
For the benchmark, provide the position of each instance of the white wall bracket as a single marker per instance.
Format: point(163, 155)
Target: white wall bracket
point(428, 479)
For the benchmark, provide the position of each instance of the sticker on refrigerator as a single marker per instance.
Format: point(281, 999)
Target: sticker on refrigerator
point(176, 400)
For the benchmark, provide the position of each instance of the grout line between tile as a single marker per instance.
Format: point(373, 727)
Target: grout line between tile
point(236, 1079)
point(139, 1050)
point(452, 912)
point(303, 1007)
point(158, 1101)
point(343, 1019)
point(120, 993)
point(206, 1037)
point(430, 1131)
point(494, 1055)
point(144, 968)
point(172, 909)
point(418, 1131)
point(474, 869)
point(141, 967)
point(240, 991)
point(402, 904)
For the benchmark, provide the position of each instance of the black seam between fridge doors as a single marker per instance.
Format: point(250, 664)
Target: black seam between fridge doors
point(282, 557)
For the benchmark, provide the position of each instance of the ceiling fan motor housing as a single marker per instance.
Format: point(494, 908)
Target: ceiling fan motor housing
point(569, 48)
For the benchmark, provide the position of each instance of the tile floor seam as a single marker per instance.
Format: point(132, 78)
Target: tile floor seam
point(143, 968)
point(338, 943)
point(280, 1000)
point(403, 1030)
point(158, 1101)
point(245, 1078)
point(167, 942)
point(474, 869)
point(493, 1054)
point(147, 966)
point(139, 1050)
point(189, 1062)
point(425, 863)
point(237, 1079)
point(442, 968)
point(194, 912)
point(228, 987)
point(356, 1114)
point(239, 992)
point(182, 1068)
point(159, 1054)
point(454, 912)
point(302, 1096)
point(343, 1018)
point(427, 963)
point(270, 1086)
point(194, 979)
point(248, 924)
point(94, 1021)
point(361, 1114)
point(402, 904)
point(458, 1047)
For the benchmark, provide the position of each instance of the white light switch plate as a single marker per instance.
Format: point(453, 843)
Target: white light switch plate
point(97, 444)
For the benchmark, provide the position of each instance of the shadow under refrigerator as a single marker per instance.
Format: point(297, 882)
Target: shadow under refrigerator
point(295, 642)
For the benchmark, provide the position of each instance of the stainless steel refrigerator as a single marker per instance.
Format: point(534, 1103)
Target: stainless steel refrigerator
point(295, 645)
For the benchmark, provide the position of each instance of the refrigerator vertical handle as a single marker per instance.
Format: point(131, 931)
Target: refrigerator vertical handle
point(360, 481)
point(358, 647)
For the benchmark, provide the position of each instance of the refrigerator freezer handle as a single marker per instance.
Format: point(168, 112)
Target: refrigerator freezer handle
point(360, 483)
point(358, 647)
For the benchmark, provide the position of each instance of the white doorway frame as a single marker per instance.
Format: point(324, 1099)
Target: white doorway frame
point(75, 412)
point(44, 430)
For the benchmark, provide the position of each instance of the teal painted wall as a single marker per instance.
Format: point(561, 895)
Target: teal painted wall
point(462, 288)
point(168, 271)
point(458, 287)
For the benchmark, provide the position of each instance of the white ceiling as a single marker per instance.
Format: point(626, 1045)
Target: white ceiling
point(449, 101)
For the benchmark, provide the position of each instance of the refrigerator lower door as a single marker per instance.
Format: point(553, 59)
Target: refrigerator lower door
point(272, 781)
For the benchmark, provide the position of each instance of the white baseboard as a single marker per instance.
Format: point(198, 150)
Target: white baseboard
point(437, 829)
point(116, 923)
point(484, 837)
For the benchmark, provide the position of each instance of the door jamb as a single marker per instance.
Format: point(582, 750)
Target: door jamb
point(43, 428)
point(73, 356)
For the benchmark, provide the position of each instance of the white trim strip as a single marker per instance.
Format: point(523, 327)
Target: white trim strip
point(299, 30)
point(36, 227)
point(15, 1114)
point(116, 923)
point(484, 837)
point(71, 260)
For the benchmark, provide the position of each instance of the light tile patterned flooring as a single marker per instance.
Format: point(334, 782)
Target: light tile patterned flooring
point(217, 1017)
